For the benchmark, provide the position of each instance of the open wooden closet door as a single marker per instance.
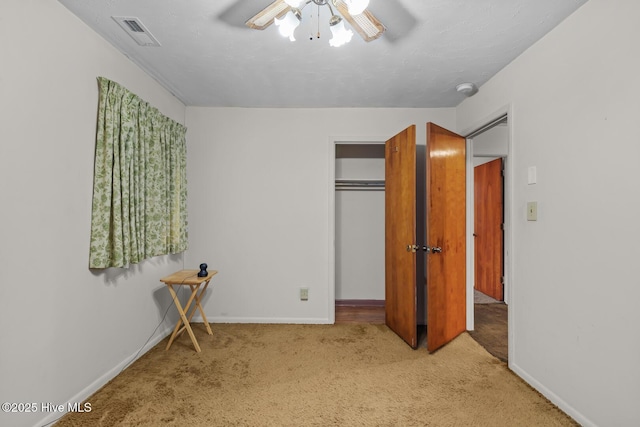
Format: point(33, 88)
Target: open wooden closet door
point(400, 233)
point(446, 231)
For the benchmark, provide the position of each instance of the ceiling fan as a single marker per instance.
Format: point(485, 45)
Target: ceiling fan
point(286, 14)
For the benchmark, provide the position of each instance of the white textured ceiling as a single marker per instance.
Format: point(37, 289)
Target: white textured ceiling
point(208, 57)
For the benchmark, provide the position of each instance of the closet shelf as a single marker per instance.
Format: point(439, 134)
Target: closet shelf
point(359, 184)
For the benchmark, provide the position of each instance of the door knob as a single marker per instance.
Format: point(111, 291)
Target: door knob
point(427, 249)
point(412, 248)
point(432, 249)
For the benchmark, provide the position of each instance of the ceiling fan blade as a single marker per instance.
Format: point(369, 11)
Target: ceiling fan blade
point(265, 17)
point(365, 24)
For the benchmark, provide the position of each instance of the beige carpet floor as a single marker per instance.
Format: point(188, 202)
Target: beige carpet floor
point(316, 375)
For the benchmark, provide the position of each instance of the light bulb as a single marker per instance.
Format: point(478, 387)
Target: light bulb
point(294, 3)
point(340, 34)
point(356, 7)
point(287, 25)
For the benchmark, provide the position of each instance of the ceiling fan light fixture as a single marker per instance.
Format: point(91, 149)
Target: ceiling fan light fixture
point(340, 34)
point(288, 24)
point(353, 12)
point(356, 7)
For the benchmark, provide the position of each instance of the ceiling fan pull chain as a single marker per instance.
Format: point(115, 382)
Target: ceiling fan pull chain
point(318, 16)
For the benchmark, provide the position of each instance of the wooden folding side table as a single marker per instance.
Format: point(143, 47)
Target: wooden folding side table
point(189, 278)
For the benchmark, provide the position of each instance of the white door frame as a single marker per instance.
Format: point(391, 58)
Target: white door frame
point(508, 221)
point(333, 141)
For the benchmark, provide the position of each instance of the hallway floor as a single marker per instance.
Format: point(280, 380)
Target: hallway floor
point(491, 325)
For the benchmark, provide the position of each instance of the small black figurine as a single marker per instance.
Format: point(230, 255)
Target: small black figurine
point(203, 270)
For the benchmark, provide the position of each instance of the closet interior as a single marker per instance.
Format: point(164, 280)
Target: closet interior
point(359, 223)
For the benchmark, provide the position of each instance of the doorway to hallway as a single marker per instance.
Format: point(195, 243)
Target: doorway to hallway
point(489, 150)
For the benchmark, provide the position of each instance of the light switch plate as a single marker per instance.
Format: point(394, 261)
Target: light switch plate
point(532, 175)
point(532, 211)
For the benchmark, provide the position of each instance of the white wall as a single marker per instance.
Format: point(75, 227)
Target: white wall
point(259, 202)
point(65, 329)
point(575, 116)
point(491, 144)
point(360, 245)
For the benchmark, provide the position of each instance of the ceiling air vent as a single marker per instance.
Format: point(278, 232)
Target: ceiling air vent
point(137, 30)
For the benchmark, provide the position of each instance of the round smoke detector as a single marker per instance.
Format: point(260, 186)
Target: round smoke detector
point(467, 89)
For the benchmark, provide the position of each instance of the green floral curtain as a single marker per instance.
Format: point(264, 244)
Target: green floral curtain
point(140, 181)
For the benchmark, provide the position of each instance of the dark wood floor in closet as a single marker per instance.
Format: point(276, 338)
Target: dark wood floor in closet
point(360, 311)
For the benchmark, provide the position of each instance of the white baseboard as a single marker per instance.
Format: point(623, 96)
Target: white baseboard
point(554, 398)
point(275, 320)
point(106, 377)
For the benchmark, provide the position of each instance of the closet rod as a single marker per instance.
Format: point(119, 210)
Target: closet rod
point(359, 184)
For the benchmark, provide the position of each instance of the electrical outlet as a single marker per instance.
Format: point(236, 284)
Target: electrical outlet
point(304, 294)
